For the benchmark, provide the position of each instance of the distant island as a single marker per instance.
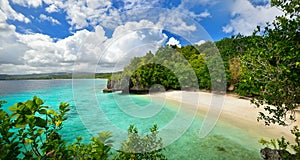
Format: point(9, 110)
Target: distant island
point(58, 75)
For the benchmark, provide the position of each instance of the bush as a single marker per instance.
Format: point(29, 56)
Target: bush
point(31, 131)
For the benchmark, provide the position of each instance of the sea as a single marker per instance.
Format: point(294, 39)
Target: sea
point(93, 111)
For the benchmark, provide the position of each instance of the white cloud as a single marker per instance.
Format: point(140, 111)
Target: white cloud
point(227, 29)
point(200, 42)
point(135, 4)
point(80, 47)
point(133, 39)
point(3, 17)
point(10, 49)
point(172, 41)
point(18, 69)
point(42, 51)
point(28, 3)
point(11, 13)
point(205, 14)
point(132, 26)
point(37, 53)
point(50, 19)
point(81, 14)
point(189, 4)
point(52, 8)
point(53, 5)
point(207, 2)
point(175, 22)
point(41, 54)
point(186, 5)
point(246, 17)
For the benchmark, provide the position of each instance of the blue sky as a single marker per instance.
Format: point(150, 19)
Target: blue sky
point(39, 36)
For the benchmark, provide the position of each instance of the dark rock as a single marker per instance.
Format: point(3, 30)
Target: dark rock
point(270, 154)
point(109, 84)
point(276, 154)
point(139, 91)
point(107, 90)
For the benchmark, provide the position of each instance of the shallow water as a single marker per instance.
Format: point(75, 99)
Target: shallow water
point(95, 112)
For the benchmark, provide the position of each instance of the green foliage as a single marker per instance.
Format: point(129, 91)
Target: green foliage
point(270, 67)
point(31, 131)
point(150, 74)
point(191, 66)
point(31, 125)
point(171, 67)
point(137, 147)
point(98, 148)
point(9, 148)
point(283, 145)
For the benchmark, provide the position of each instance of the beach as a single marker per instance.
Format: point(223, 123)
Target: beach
point(231, 109)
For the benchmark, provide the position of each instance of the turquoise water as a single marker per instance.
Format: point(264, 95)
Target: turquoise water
point(92, 112)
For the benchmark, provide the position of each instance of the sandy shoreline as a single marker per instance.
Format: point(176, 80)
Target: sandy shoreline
point(235, 111)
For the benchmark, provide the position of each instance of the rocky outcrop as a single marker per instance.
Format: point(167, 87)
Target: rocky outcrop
point(107, 90)
point(276, 154)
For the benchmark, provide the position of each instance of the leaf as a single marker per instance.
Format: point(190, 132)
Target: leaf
point(63, 106)
point(29, 117)
point(263, 142)
point(40, 132)
point(39, 101)
point(20, 125)
point(13, 108)
point(29, 104)
point(51, 112)
point(40, 122)
point(28, 141)
point(42, 111)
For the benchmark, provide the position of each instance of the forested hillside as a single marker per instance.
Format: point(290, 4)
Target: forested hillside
point(190, 67)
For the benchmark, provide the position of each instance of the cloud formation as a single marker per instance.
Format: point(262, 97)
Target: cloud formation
point(105, 35)
point(11, 13)
point(50, 19)
point(10, 48)
point(174, 42)
point(28, 3)
point(246, 16)
point(84, 49)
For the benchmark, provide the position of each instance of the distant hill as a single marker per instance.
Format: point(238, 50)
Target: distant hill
point(58, 75)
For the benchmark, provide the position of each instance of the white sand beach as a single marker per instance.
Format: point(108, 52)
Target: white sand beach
point(235, 111)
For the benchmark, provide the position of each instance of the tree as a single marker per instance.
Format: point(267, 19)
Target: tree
point(274, 66)
point(137, 147)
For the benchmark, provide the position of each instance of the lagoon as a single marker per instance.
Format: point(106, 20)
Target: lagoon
point(225, 141)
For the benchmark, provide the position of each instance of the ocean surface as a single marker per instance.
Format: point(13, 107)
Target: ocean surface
point(93, 112)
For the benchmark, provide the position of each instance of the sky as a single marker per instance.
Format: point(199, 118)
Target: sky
point(43, 36)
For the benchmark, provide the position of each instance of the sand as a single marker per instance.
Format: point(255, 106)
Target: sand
point(233, 110)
